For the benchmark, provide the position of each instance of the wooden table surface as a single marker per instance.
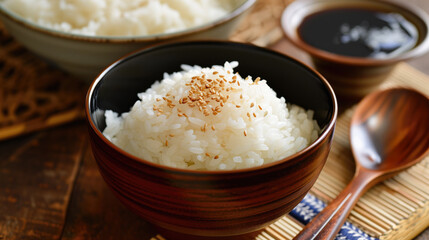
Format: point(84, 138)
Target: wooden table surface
point(50, 187)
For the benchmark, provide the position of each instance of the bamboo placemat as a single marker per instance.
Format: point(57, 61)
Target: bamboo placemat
point(34, 95)
point(262, 26)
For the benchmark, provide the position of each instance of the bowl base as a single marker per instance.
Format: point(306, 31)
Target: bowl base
point(171, 235)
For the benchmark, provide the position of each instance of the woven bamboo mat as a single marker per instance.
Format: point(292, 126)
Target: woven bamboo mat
point(262, 26)
point(33, 95)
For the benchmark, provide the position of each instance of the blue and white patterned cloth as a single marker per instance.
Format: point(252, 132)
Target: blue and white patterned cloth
point(310, 206)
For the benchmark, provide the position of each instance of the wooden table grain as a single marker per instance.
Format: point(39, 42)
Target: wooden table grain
point(50, 187)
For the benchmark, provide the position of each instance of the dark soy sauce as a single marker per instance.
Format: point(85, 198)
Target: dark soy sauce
point(359, 32)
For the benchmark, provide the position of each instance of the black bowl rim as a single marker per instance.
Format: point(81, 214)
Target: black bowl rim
point(247, 4)
point(418, 50)
point(330, 127)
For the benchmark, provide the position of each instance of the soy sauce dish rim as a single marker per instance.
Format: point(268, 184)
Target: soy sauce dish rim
point(323, 136)
point(294, 14)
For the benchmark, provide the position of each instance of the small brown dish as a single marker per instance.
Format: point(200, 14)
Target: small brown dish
point(191, 204)
point(381, 34)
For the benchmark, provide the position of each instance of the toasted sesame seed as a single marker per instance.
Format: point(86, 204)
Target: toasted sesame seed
point(213, 128)
point(257, 80)
point(254, 114)
point(158, 99)
point(171, 135)
point(252, 105)
point(166, 142)
point(209, 95)
point(265, 114)
point(248, 115)
point(259, 106)
point(245, 133)
point(216, 157)
point(208, 155)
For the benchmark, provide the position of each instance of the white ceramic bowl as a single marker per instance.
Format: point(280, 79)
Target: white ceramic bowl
point(85, 56)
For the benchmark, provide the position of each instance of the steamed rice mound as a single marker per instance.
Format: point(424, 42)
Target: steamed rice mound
point(119, 17)
point(211, 119)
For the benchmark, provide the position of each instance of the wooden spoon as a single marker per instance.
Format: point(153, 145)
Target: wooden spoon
point(389, 132)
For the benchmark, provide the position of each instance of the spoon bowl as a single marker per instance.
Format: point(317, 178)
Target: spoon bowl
point(388, 133)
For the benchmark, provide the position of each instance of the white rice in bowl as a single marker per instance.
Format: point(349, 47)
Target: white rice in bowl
point(119, 17)
point(211, 119)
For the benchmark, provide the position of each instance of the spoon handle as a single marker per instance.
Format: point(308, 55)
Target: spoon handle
point(328, 222)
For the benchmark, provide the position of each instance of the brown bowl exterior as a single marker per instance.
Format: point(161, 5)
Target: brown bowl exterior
point(209, 203)
point(350, 82)
point(352, 77)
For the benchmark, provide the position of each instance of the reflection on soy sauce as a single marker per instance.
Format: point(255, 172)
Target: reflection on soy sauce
point(359, 32)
